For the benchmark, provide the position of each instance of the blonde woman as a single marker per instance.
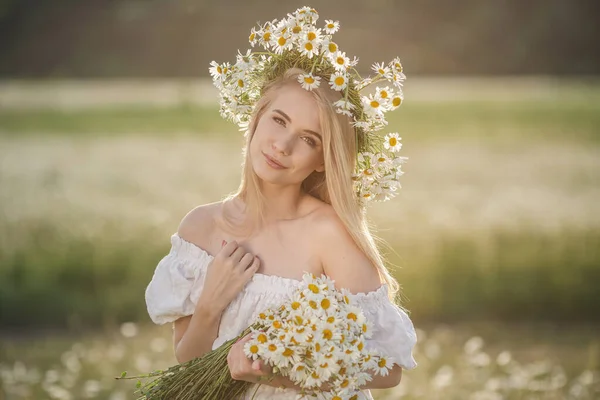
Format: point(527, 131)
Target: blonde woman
point(295, 211)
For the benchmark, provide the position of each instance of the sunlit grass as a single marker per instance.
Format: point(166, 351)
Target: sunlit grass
point(454, 364)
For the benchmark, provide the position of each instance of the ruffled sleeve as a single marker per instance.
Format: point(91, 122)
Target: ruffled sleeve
point(393, 332)
point(177, 282)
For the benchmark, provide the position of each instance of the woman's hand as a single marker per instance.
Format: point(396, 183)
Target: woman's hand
point(242, 368)
point(227, 275)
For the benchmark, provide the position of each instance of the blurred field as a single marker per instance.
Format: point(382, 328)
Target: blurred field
point(498, 222)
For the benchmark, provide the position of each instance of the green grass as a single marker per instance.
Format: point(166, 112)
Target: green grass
point(419, 121)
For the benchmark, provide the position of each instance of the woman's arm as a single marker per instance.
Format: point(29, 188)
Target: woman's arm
point(193, 336)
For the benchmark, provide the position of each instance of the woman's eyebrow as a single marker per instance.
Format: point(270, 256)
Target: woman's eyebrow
point(287, 117)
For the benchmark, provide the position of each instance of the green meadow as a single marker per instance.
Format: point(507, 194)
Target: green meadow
point(494, 237)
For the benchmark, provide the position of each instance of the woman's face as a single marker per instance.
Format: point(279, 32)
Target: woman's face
point(287, 145)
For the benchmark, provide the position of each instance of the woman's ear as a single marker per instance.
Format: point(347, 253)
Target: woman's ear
point(320, 168)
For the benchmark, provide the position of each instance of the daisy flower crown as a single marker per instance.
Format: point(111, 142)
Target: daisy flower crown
point(296, 42)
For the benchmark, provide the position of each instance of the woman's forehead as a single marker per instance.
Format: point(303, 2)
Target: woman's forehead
point(299, 105)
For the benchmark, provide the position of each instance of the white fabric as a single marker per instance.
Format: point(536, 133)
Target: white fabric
point(179, 278)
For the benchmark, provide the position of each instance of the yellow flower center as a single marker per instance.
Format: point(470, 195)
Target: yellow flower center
point(398, 66)
point(352, 316)
point(383, 94)
point(312, 304)
point(340, 60)
point(282, 41)
point(381, 71)
point(397, 101)
point(309, 80)
point(380, 159)
point(342, 371)
point(300, 368)
point(296, 29)
point(364, 328)
point(374, 104)
point(336, 398)
point(325, 304)
point(272, 347)
point(252, 37)
point(240, 83)
point(254, 349)
point(308, 46)
point(317, 347)
point(360, 346)
point(313, 288)
point(299, 320)
point(355, 397)
point(219, 69)
point(276, 324)
point(382, 363)
point(288, 352)
point(324, 365)
point(330, 26)
point(262, 316)
point(327, 334)
point(311, 36)
point(332, 47)
point(262, 338)
point(267, 36)
point(345, 383)
point(295, 305)
point(315, 375)
point(339, 80)
point(330, 319)
point(346, 300)
point(393, 141)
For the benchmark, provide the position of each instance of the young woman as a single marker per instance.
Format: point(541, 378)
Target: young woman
point(294, 212)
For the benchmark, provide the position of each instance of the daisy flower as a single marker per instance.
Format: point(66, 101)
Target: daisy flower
point(309, 82)
point(383, 93)
point(331, 26)
point(309, 48)
point(281, 43)
point(338, 81)
point(396, 65)
point(373, 105)
point(312, 35)
point(392, 142)
point(345, 106)
point(380, 160)
point(396, 100)
point(384, 365)
point(382, 70)
point(340, 61)
point(253, 38)
point(328, 47)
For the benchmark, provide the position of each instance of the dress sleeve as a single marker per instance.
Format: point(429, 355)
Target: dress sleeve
point(393, 332)
point(177, 282)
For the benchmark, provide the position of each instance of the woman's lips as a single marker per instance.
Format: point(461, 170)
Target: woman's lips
point(273, 163)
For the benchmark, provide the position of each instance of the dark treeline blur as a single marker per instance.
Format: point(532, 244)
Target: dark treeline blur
point(178, 38)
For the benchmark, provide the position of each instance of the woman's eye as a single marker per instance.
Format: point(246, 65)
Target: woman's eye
point(310, 141)
point(279, 121)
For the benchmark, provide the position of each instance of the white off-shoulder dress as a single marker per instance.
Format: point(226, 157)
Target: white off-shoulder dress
point(179, 278)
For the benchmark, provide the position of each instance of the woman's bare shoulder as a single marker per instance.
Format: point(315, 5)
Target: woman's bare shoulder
point(199, 223)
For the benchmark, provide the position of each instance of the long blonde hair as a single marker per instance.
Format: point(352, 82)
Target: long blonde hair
point(333, 186)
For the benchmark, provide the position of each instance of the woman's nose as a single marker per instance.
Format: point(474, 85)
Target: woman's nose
point(283, 144)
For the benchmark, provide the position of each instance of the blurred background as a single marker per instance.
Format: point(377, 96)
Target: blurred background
point(110, 134)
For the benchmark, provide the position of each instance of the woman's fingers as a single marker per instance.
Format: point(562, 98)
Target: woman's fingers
point(251, 270)
point(246, 260)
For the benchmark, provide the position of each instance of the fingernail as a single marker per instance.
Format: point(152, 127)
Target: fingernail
point(223, 243)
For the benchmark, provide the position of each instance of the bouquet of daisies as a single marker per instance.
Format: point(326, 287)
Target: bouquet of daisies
point(317, 337)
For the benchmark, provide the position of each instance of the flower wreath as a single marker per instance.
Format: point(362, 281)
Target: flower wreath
point(295, 41)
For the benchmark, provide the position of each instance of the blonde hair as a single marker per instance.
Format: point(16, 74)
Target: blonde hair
point(334, 186)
